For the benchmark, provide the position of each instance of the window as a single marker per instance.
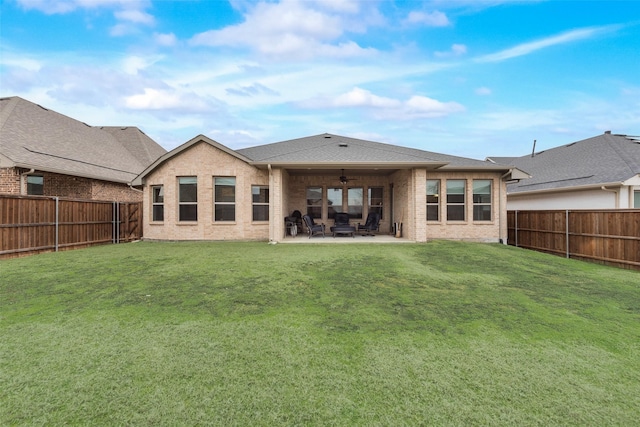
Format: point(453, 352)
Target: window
point(636, 199)
point(334, 201)
point(314, 202)
point(433, 200)
point(375, 200)
point(482, 200)
point(188, 198)
point(157, 203)
point(35, 185)
point(224, 199)
point(355, 202)
point(260, 200)
point(455, 199)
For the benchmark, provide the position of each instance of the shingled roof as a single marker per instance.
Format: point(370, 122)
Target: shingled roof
point(607, 159)
point(328, 149)
point(35, 137)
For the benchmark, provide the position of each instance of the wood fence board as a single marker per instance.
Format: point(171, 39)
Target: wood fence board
point(28, 223)
point(607, 236)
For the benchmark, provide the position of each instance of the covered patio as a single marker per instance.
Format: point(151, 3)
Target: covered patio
point(358, 239)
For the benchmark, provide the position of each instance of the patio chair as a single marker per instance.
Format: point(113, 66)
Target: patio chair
point(341, 225)
point(371, 224)
point(341, 218)
point(312, 227)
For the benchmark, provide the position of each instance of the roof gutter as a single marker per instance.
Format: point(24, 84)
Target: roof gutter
point(347, 164)
point(73, 173)
point(565, 189)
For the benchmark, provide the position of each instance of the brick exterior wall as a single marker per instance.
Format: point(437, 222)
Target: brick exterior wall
point(482, 231)
point(204, 162)
point(288, 193)
point(9, 181)
point(69, 186)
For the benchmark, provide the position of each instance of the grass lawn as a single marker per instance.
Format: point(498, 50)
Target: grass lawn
point(443, 333)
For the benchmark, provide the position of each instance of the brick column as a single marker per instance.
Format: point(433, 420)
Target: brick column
point(419, 205)
point(276, 208)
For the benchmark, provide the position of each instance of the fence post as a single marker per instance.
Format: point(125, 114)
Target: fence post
point(516, 228)
point(57, 238)
point(113, 222)
point(117, 222)
point(566, 227)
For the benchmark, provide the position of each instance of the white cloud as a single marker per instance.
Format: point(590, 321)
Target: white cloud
point(166, 99)
point(135, 16)
point(422, 106)
point(22, 62)
point(483, 91)
point(363, 98)
point(456, 50)
point(433, 19)
point(165, 39)
point(133, 64)
point(290, 29)
point(563, 38)
point(345, 6)
point(385, 108)
point(128, 13)
point(51, 7)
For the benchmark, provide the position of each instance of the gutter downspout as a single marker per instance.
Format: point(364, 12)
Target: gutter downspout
point(22, 177)
point(134, 189)
point(617, 194)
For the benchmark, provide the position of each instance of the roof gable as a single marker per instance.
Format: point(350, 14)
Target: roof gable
point(32, 136)
point(184, 147)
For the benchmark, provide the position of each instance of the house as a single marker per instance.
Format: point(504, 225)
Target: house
point(46, 153)
point(602, 172)
point(203, 190)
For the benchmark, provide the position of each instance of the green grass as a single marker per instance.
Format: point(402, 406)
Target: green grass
point(443, 333)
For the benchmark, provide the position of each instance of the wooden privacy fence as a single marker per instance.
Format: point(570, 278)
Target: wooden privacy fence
point(605, 236)
point(33, 224)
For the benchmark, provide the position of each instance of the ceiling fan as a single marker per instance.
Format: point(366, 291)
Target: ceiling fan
point(344, 180)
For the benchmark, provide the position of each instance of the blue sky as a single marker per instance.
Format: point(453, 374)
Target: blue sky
point(469, 78)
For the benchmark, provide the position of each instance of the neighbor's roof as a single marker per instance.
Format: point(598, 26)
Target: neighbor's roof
point(35, 137)
point(607, 159)
point(331, 150)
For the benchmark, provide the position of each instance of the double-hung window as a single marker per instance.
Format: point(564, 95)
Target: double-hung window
point(482, 200)
point(433, 200)
point(375, 200)
point(456, 189)
point(355, 202)
point(157, 203)
point(314, 202)
point(334, 201)
point(224, 198)
point(187, 198)
point(260, 201)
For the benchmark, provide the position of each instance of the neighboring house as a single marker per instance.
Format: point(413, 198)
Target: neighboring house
point(203, 190)
point(46, 153)
point(602, 172)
